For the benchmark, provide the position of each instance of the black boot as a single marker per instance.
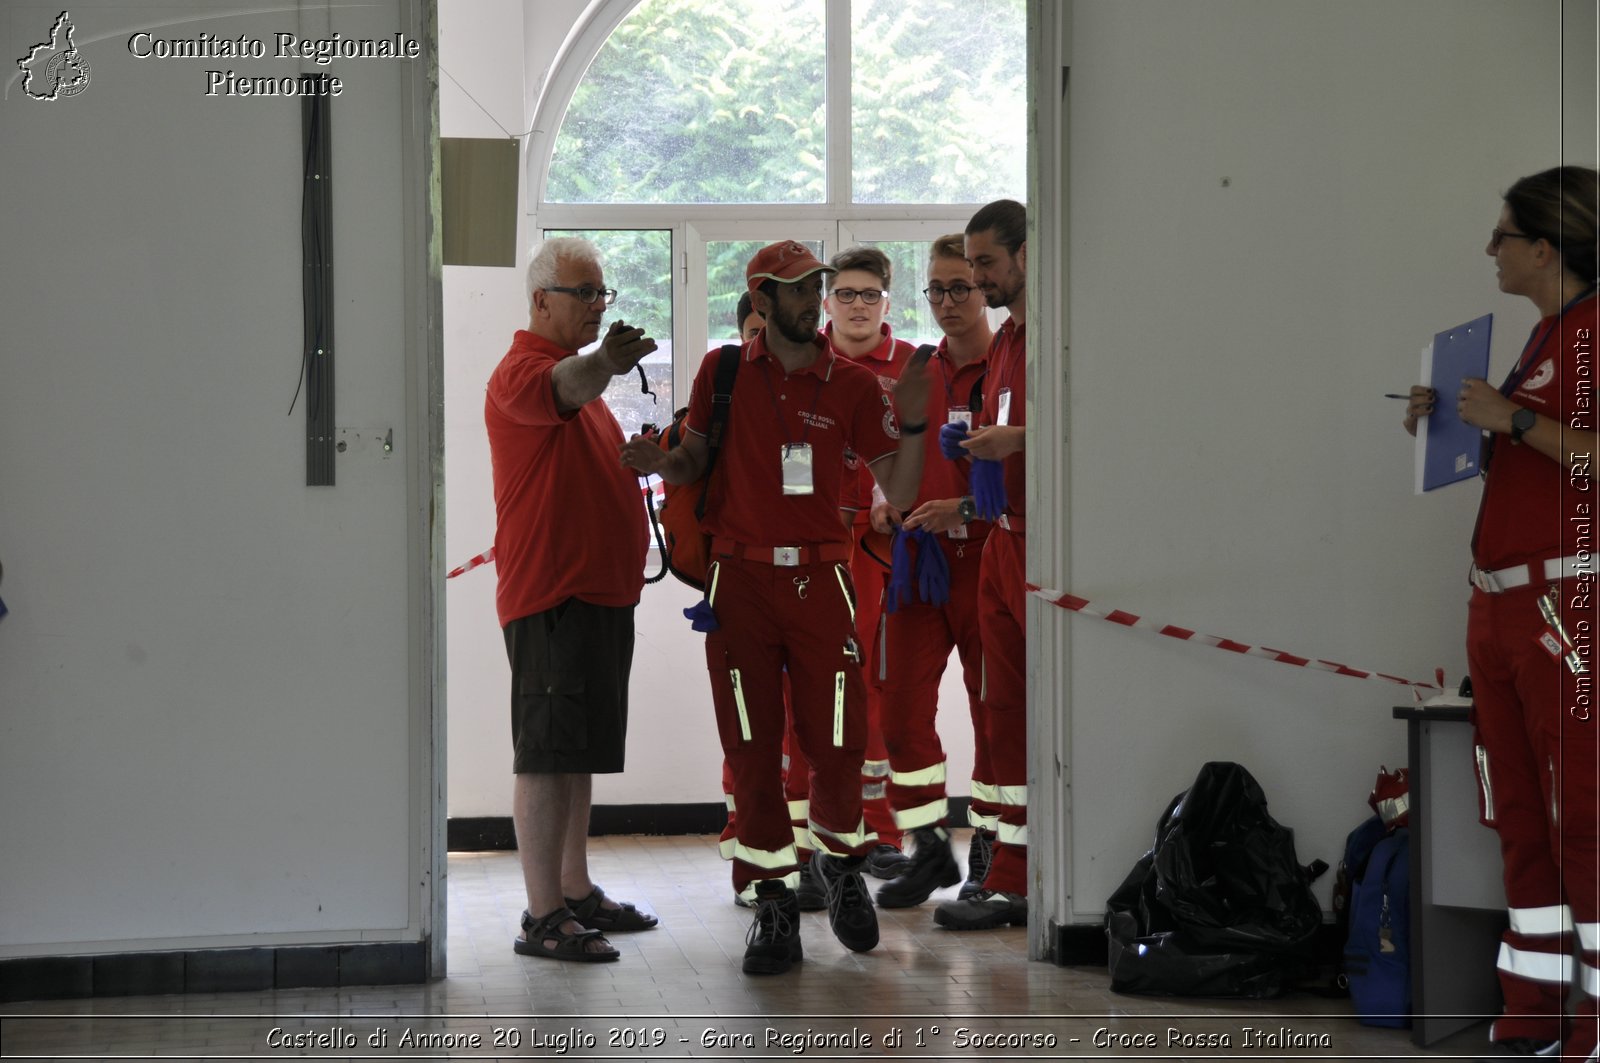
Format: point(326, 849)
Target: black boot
point(850, 911)
point(810, 894)
point(932, 866)
point(980, 854)
point(773, 944)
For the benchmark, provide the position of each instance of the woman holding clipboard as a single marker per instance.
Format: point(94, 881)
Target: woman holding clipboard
point(1535, 614)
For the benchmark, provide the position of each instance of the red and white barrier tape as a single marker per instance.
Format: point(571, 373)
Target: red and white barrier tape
point(482, 559)
point(655, 487)
point(1075, 604)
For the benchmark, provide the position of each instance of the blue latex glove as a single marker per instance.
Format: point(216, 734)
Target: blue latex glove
point(933, 570)
point(950, 437)
point(701, 617)
point(897, 591)
point(988, 482)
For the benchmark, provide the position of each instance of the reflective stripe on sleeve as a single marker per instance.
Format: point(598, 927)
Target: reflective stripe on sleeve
point(1589, 936)
point(874, 791)
point(1589, 981)
point(877, 769)
point(799, 811)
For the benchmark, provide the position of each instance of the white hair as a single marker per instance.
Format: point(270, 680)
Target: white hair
point(548, 254)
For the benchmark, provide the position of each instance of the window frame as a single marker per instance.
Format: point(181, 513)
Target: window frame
point(837, 220)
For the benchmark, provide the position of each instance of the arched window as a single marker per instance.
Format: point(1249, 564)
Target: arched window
point(702, 129)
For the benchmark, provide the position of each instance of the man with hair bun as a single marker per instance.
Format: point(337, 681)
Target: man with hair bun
point(997, 249)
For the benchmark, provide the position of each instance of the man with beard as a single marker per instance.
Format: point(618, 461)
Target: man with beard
point(779, 590)
point(997, 248)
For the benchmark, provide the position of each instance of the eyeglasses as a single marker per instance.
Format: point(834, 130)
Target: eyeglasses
point(957, 292)
point(870, 296)
point(1497, 235)
point(587, 294)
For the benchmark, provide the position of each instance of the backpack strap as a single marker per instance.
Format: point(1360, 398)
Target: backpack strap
point(721, 401)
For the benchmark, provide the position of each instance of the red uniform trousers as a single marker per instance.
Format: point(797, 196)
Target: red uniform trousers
point(912, 655)
point(1002, 601)
point(869, 577)
point(774, 617)
point(1537, 764)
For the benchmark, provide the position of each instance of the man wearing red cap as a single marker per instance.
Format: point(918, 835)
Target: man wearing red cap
point(780, 590)
point(997, 248)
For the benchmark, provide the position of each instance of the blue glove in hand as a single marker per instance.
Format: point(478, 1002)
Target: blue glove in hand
point(701, 617)
point(897, 591)
point(950, 437)
point(988, 482)
point(933, 570)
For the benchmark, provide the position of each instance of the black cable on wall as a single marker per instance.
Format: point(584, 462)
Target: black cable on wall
point(316, 242)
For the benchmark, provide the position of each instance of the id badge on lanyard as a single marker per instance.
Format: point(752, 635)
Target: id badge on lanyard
point(1002, 412)
point(963, 415)
point(796, 459)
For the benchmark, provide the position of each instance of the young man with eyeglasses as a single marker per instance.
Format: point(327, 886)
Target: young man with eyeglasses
point(569, 577)
point(996, 246)
point(779, 590)
point(857, 305)
point(919, 636)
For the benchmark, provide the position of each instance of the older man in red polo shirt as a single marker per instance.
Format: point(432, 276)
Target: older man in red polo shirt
point(781, 592)
point(568, 584)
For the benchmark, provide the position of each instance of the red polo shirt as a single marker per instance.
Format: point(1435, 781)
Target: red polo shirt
point(1533, 508)
point(887, 360)
point(830, 404)
point(1008, 369)
point(569, 518)
point(949, 388)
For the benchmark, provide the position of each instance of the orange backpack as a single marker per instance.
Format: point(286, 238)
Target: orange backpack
point(685, 549)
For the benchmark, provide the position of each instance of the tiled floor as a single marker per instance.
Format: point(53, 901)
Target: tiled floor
point(678, 992)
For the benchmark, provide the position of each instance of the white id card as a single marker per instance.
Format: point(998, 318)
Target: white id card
point(797, 469)
point(959, 413)
point(1002, 413)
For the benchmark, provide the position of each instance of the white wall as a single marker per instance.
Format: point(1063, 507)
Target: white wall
point(212, 730)
point(1274, 205)
point(501, 53)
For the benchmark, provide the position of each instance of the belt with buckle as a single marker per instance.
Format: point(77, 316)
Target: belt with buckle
point(1493, 581)
point(782, 556)
point(1010, 522)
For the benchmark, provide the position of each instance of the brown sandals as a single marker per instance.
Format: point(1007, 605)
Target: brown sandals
point(573, 947)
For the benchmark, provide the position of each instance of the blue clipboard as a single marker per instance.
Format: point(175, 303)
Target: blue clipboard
point(1449, 449)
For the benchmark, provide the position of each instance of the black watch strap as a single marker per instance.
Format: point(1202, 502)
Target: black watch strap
point(1521, 421)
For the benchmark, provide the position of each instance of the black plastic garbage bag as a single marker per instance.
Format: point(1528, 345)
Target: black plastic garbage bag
point(1220, 906)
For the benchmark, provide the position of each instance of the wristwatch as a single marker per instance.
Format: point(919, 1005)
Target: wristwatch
point(967, 510)
point(1521, 422)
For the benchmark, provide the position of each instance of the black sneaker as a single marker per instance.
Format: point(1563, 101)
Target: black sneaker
point(932, 867)
point(1531, 1047)
point(980, 854)
point(850, 912)
point(811, 895)
point(886, 861)
point(772, 945)
point(984, 910)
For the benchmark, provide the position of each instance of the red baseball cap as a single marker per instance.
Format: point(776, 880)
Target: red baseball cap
point(784, 262)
